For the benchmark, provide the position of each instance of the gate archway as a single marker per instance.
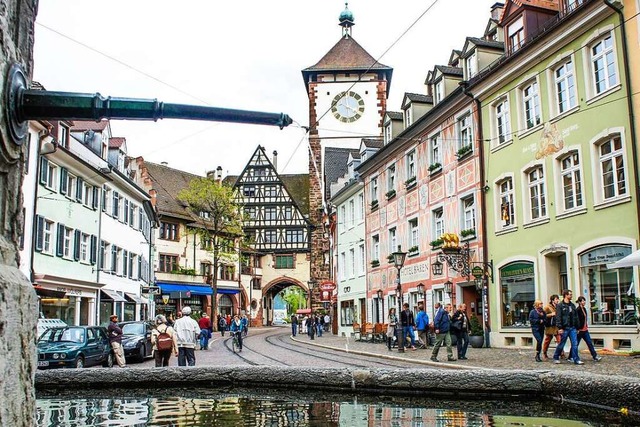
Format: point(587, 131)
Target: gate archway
point(272, 289)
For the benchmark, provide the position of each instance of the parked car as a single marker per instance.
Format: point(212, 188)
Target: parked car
point(280, 321)
point(74, 347)
point(136, 339)
point(44, 324)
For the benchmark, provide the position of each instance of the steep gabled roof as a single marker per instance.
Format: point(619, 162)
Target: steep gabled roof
point(374, 142)
point(416, 98)
point(168, 182)
point(82, 125)
point(394, 115)
point(116, 142)
point(511, 5)
point(335, 165)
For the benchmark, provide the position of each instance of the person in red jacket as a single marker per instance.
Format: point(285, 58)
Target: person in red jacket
point(205, 331)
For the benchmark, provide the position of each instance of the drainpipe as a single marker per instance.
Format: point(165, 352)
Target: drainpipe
point(627, 82)
point(483, 202)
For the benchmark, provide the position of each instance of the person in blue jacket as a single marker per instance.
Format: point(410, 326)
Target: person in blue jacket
point(442, 323)
point(236, 328)
point(422, 325)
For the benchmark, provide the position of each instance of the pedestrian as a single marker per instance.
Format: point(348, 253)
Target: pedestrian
point(441, 323)
point(567, 321)
point(236, 328)
point(327, 322)
point(391, 327)
point(551, 329)
point(244, 323)
point(422, 325)
point(159, 335)
point(170, 320)
point(537, 318)
point(115, 339)
point(311, 326)
point(187, 331)
point(205, 331)
point(408, 325)
point(294, 325)
point(319, 324)
point(461, 320)
point(228, 320)
point(304, 325)
point(583, 328)
point(222, 324)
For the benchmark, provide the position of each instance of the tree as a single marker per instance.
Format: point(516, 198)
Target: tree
point(219, 217)
point(294, 297)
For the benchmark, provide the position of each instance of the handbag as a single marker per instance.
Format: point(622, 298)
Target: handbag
point(456, 324)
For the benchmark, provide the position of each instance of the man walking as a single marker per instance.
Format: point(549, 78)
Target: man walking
point(408, 325)
point(461, 319)
point(567, 321)
point(422, 325)
point(551, 329)
point(294, 325)
point(442, 324)
point(583, 328)
point(115, 339)
point(205, 331)
point(187, 331)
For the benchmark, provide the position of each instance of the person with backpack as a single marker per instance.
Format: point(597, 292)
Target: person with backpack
point(222, 325)
point(163, 340)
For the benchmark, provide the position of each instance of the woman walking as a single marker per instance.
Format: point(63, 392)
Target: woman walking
point(163, 339)
point(537, 317)
point(391, 328)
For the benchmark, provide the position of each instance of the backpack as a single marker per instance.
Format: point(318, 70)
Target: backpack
point(164, 341)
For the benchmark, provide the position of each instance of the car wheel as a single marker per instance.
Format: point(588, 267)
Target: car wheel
point(141, 354)
point(79, 362)
point(109, 362)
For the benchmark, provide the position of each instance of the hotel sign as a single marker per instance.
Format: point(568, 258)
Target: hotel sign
point(415, 272)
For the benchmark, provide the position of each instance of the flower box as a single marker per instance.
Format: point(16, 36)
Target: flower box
point(414, 250)
point(411, 182)
point(375, 263)
point(374, 205)
point(468, 233)
point(434, 168)
point(390, 258)
point(391, 194)
point(464, 151)
point(436, 243)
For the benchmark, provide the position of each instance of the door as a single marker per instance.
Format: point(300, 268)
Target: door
point(363, 313)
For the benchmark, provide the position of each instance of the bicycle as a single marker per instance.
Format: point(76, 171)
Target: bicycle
point(235, 343)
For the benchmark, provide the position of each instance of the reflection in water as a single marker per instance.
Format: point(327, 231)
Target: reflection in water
point(297, 408)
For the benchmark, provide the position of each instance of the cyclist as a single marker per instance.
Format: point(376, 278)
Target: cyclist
point(245, 325)
point(236, 328)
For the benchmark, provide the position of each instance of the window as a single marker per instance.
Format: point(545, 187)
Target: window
point(67, 243)
point(436, 151)
point(414, 234)
point(259, 173)
point(102, 254)
point(387, 134)
point(342, 220)
point(168, 231)
point(133, 262)
point(360, 207)
point(503, 126)
point(125, 211)
point(565, 87)
point(468, 213)
point(270, 191)
point(270, 213)
point(612, 168)
point(84, 247)
point(515, 34)
point(288, 212)
point(63, 136)
point(391, 178)
point(537, 193)
point(374, 189)
point(294, 236)
point(47, 236)
point(531, 105)
point(375, 248)
point(125, 263)
point(361, 259)
point(571, 181)
point(270, 236)
point(507, 208)
point(116, 205)
point(438, 89)
point(342, 266)
point(114, 259)
point(407, 117)
point(250, 212)
point(471, 66)
point(438, 223)
point(249, 191)
point(572, 4)
point(393, 241)
point(227, 272)
point(411, 164)
point(465, 136)
point(69, 187)
point(168, 263)
point(347, 313)
point(132, 214)
point(352, 213)
point(603, 63)
point(517, 284)
point(118, 261)
point(47, 173)
point(284, 261)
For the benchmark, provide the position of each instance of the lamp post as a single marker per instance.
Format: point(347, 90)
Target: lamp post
point(398, 262)
point(436, 268)
point(381, 314)
point(448, 288)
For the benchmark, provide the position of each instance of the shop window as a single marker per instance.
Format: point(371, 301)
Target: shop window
point(347, 313)
point(517, 284)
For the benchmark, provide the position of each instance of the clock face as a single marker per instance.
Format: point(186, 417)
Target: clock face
point(347, 106)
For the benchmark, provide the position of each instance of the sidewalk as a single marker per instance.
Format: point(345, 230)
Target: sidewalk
point(483, 358)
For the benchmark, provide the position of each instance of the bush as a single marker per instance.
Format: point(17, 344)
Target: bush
point(476, 327)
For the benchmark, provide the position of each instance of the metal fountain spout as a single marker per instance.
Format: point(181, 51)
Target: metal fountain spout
point(23, 104)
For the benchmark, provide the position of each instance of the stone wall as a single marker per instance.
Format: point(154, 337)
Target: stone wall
point(17, 302)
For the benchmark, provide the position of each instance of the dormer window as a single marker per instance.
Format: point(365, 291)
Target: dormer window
point(387, 133)
point(407, 117)
point(63, 137)
point(363, 156)
point(471, 65)
point(515, 34)
point(572, 4)
point(438, 90)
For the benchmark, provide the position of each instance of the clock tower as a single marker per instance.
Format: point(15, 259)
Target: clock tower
point(347, 90)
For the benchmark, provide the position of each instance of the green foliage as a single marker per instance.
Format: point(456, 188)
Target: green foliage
point(295, 298)
point(476, 327)
point(434, 167)
point(436, 243)
point(468, 232)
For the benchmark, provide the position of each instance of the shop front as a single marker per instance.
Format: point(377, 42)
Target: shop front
point(517, 292)
point(74, 305)
point(174, 296)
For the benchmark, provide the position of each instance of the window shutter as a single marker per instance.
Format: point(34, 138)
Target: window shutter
point(114, 259)
point(39, 233)
point(60, 242)
point(76, 245)
point(96, 197)
point(63, 181)
point(139, 267)
point(115, 204)
point(44, 170)
point(79, 189)
point(125, 263)
point(130, 266)
point(94, 249)
point(125, 216)
point(101, 255)
point(104, 198)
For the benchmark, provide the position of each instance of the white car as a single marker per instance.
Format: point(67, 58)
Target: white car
point(280, 321)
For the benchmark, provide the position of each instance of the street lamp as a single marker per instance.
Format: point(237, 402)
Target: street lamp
point(436, 268)
point(448, 287)
point(398, 262)
point(379, 293)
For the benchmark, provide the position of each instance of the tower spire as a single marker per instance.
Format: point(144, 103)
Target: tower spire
point(346, 20)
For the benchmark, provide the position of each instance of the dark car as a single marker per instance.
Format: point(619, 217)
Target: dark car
point(74, 347)
point(136, 339)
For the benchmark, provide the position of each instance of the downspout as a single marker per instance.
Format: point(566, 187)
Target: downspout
point(98, 265)
point(627, 81)
point(483, 203)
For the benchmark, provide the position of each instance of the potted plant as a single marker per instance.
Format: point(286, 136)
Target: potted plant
point(436, 243)
point(375, 263)
point(476, 335)
point(374, 205)
point(390, 258)
point(411, 182)
point(464, 151)
point(435, 167)
point(413, 251)
point(468, 233)
point(391, 194)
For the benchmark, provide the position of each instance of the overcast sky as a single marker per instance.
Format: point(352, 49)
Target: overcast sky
point(234, 54)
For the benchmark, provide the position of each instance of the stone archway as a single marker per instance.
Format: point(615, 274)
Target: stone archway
point(273, 288)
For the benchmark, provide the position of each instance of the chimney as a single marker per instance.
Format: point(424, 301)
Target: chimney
point(496, 10)
point(275, 160)
point(219, 174)
point(211, 174)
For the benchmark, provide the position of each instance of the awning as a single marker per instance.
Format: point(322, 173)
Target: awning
point(48, 293)
point(228, 291)
point(194, 289)
point(630, 260)
point(303, 311)
point(112, 295)
point(134, 298)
